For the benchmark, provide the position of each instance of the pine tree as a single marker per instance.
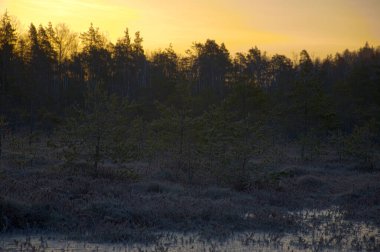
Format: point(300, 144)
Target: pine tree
point(97, 131)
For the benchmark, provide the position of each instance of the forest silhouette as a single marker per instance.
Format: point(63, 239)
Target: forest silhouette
point(50, 70)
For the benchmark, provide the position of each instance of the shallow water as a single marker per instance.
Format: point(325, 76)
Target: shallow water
point(320, 231)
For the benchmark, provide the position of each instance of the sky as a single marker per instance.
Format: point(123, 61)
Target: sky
point(321, 27)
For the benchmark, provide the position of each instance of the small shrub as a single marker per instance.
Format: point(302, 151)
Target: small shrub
point(361, 145)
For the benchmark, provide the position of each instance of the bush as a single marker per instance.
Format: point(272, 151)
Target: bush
point(361, 145)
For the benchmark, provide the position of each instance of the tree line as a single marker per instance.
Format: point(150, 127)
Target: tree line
point(202, 109)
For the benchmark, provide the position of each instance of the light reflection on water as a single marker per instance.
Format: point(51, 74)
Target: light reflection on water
point(320, 230)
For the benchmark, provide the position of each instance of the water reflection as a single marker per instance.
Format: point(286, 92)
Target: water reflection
point(319, 230)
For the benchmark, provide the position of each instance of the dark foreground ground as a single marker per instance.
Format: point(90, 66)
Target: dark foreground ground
point(134, 202)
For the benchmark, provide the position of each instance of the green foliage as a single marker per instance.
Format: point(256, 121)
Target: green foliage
point(92, 39)
point(96, 132)
point(210, 63)
point(8, 36)
point(173, 136)
point(310, 145)
point(361, 144)
point(137, 134)
point(358, 146)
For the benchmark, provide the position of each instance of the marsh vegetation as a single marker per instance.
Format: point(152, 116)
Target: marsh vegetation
point(101, 142)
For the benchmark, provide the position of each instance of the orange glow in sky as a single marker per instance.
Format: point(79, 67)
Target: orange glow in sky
point(276, 26)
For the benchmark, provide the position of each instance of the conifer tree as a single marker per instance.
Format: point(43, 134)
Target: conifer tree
point(96, 132)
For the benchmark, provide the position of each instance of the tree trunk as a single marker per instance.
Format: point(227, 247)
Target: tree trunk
point(304, 133)
point(1, 143)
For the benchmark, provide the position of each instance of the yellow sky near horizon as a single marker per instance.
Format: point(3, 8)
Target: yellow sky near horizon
point(276, 26)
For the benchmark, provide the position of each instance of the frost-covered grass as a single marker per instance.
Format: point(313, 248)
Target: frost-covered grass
point(136, 201)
